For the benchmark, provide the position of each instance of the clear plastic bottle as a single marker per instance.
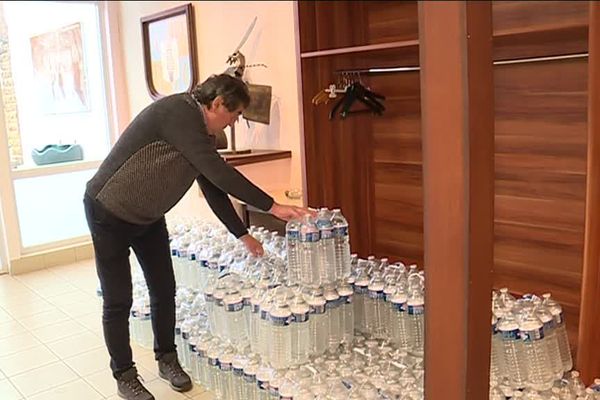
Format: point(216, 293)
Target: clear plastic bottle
point(540, 375)
point(300, 331)
point(317, 320)
point(497, 368)
point(550, 338)
point(333, 333)
point(342, 244)
point(416, 322)
point(280, 341)
point(346, 313)
point(377, 323)
point(292, 235)
point(326, 247)
point(514, 357)
point(361, 284)
point(561, 331)
point(309, 241)
point(399, 321)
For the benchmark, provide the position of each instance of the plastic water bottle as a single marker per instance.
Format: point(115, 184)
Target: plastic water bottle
point(300, 330)
point(346, 313)
point(399, 321)
point(326, 247)
point(292, 236)
point(540, 374)
point(514, 357)
point(309, 240)
point(550, 338)
point(561, 331)
point(497, 370)
point(333, 307)
point(416, 322)
point(318, 320)
point(280, 341)
point(377, 307)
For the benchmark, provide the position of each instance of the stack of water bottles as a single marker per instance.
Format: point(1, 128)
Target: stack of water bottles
point(311, 321)
point(530, 355)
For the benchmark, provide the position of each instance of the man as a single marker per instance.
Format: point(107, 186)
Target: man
point(153, 164)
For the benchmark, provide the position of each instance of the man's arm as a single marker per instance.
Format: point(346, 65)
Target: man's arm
point(221, 205)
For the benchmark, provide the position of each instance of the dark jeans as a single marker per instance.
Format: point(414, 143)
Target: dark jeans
point(112, 238)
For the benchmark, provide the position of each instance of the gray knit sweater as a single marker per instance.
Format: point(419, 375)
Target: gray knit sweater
point(156, 160)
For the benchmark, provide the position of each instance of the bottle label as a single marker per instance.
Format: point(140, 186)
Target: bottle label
point(238, 371)
point(511, 335)
point(177, 330)
point(326, 232)
point(192, 347)
point(255, 308)
point(263, 314)
point(223, 366)
point(340, 231)
point(361, 289)
point(349, 299)
point(204, 263)
point(182, 253)
point(145, 317)
point(273, 391)
point(292, 235)
point(209, 297)
point(532, 335)
point(233, 307)
point(192, 256)
point(318, 309)
point(333, 304)
point(246, 301)
point(416, 310)
point(201, 353)
point(376, 294)
point(558, 318)
point(309, 237)
point(174, 252)
point(249, 378)
point(303, 317)
point(262, 385)
point(285, 397)
point(549, 325)
point(400, 307)
point(280, 321)
point(213, 362)
point(185, 335)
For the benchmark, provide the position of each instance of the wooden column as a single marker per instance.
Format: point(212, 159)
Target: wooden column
point(588, 350)
point(455, 41)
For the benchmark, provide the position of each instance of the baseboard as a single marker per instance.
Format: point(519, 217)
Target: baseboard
point(51, 258)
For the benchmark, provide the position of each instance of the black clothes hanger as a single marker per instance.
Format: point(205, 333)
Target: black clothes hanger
point(356, 92)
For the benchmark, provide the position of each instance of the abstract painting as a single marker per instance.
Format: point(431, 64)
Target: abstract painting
point(59, 72)
point(169, 51)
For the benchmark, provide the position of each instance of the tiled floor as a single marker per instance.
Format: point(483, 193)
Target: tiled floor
point(51, 345)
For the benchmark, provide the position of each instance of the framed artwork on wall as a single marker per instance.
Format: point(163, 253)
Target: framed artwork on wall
point(169, 42)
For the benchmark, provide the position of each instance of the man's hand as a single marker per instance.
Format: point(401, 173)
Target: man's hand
point(252, 245)
point(287, 213)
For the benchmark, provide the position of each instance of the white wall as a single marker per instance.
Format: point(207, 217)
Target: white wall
point(220, 26)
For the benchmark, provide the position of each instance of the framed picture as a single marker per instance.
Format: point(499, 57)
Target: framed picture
point(169, 40)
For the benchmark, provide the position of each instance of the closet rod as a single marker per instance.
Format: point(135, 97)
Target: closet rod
point(503, 62)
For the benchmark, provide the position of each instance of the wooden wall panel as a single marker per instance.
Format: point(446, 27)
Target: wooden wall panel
point(540, 179)
point(356, 23)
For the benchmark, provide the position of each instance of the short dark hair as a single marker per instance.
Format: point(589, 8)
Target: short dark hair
point(234, 91)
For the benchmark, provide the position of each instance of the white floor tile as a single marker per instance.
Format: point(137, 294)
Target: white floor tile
point(30, 308)
point(8, 391)
point(44, 319)
point(76, 390)
point(77, 310)
point(103, 382)
point(161, 390)
point(55, 290)
point(74, 297)
point(44, 378)
point(61, 330)
point(89, 363)
point(10, 328)
point(5, 317)
point(17, 343)
point(74, 345)
point(26, 360)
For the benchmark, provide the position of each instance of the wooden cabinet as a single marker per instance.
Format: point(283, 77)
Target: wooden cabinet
point(371, 166)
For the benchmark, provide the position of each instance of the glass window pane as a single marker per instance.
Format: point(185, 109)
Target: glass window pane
point(53, 82)
point(50, 208)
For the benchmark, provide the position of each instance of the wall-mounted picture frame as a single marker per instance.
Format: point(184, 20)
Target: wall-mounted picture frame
point(169, 42)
